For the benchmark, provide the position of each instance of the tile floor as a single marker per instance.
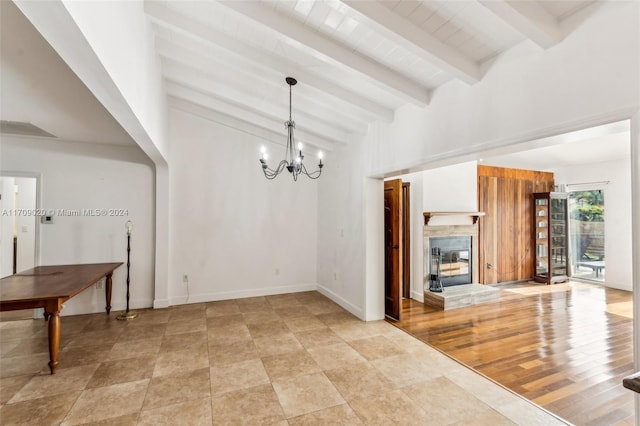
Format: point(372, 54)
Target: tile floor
point(286, 359)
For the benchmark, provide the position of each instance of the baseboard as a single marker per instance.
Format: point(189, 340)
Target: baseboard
point(342, 302)
point(160, 303)
point(417, 295)
point(240, 294)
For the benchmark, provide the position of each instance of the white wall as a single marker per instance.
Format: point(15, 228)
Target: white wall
point(526, 94)
point(85, 176)
point(343, 231)
point(7, 185)
point(233, 232)
point(617, 199)
point(26, 224)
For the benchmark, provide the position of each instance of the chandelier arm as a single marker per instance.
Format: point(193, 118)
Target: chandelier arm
point(270, 173)
point(313, 175)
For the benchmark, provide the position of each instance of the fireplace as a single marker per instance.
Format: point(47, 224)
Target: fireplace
point(453, 254)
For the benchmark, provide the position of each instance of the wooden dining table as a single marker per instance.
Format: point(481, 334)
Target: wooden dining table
point(48, 287)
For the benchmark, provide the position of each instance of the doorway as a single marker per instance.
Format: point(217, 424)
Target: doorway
point(586, 234)
point(18, 224)
point(397, 214)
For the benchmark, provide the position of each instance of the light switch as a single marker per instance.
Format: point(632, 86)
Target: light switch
point(25, 228)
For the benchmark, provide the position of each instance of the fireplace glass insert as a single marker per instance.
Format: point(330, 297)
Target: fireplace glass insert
point(455, 259)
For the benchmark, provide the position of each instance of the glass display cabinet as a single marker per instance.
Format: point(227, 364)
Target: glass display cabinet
point(551, 239)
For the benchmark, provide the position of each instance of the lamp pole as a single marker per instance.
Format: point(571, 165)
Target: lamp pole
point(126, 315)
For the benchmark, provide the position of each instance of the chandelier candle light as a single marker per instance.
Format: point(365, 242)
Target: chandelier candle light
point(293, 158)
point(126, 315)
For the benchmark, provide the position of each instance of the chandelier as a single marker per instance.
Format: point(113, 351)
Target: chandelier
point(293, 158)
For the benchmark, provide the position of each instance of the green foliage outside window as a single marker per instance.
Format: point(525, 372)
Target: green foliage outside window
point(589, 206)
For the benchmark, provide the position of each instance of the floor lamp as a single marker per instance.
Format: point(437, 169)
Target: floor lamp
point(126, 315)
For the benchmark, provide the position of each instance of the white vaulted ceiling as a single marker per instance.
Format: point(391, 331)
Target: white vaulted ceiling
point(356, 61)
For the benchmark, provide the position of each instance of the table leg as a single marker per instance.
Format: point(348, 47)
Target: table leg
point(107, 291)
point(54, 340)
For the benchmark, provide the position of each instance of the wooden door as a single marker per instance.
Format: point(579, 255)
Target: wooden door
point(406, 240)
point(393, 252)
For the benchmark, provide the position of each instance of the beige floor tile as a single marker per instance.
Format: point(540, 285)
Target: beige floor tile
point(338, 318)
point(135, 348)
point(401, 370)
point(240, 375)
point(323, 307)
point(390, 408)
point(38, 329)
point(175, 362)
point(278, 344)
point(196, 412)
point(107, 402)
point(149, 316)
point(40, 411)
point(303, 323)
point(375, 347)
point(335, 356)
point(7, 346)
point(9, 386)
point(139, 332)
point(285, 301)
point(253, 304)
point(107, 337)
point(196, 312)
point(260, 317)
point(222, 308)
point(318, 337)
point(177, 388)
point(268, 329)
point(122, 371)
point(32, 346)
point(382, 328)
point(487, 417)
point(126, 420)
point(305, 394)
point(353, 331)
point(290, 364)
point(228, 334)
point(75, 356)
point(252, 406)
point(184, 341)
point(187, 326)
point(340, 415)
point(234, 352)
point(223, 321)
point(359, 381)
point(445, 401)
point(292, 312)
point(69, 379)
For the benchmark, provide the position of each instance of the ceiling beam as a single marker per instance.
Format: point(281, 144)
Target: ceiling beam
point(380, 75)
point(177, 22)
point(528, 18)
point(416, 40)
point(218, 87)
point(251, 118)
point(255, 92)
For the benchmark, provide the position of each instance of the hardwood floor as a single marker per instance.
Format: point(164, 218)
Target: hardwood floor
point(565, 347)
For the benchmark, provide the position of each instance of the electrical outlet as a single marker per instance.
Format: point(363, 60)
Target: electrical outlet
point(100, 285)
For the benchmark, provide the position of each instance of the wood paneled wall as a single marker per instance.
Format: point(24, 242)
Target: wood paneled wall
point(506, 231)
